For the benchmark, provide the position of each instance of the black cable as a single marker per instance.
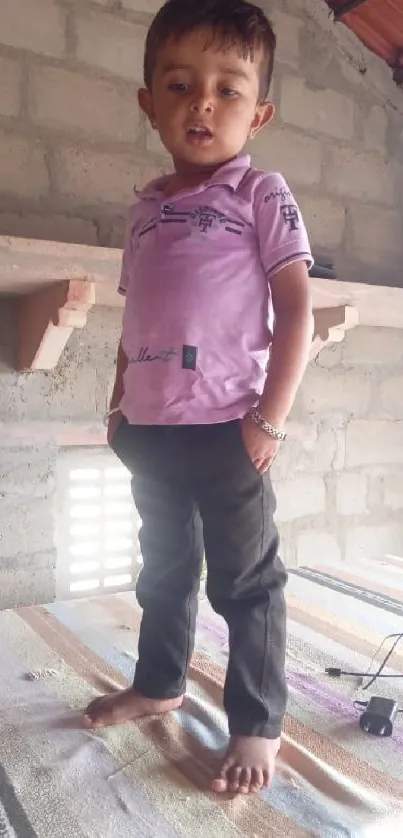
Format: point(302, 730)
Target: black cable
point(335, 672)
point(382, 666)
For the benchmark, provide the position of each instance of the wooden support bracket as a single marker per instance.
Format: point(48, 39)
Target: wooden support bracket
point(331, 325)
point(46, 320)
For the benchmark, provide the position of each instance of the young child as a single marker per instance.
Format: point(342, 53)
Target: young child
point(215, 340)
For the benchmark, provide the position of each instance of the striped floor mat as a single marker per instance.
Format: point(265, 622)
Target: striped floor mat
point(152, 778)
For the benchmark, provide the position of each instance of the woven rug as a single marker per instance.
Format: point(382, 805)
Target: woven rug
point(152, 778)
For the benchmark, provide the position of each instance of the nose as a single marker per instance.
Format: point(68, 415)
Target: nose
point(202, 103)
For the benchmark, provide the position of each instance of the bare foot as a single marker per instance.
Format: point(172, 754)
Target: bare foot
point(124, 706)
point(249, 765)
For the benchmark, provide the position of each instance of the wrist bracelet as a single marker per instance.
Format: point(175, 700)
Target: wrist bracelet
point(265, 426)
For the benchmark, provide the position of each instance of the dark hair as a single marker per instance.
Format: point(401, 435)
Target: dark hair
point(233, 23)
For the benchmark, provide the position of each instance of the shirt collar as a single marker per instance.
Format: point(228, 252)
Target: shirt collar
point(231, 175)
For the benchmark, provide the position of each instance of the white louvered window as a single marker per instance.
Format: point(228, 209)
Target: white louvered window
point(98, 549)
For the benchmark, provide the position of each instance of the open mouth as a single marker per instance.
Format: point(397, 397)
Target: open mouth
point(199, 131)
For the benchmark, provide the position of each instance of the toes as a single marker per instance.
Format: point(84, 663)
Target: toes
point(222, 783)
point(245, 781)
point(220, 786)
point(234, 778)
point(94, 707)
point(257, 781)
point(93, 714)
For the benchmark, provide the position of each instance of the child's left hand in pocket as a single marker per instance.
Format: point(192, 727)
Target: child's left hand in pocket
point(261, 448)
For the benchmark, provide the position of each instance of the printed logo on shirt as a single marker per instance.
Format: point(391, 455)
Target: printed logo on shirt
point(281, 192)
point(204, 221)
point(189, 357)
point(290, 216)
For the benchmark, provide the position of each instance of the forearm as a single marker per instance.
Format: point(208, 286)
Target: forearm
point(121, 366)
point(288, 359)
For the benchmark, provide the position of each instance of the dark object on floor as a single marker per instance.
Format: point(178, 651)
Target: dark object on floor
point(378, 717)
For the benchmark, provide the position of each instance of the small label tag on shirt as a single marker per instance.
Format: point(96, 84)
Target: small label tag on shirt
point(189, 357)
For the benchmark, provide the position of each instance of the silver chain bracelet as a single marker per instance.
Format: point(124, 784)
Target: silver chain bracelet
point(265, 426)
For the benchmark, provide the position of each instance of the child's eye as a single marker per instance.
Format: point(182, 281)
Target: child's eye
point(178, 87)
point(229, 92)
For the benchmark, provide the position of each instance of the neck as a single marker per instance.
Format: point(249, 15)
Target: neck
point(188, 174)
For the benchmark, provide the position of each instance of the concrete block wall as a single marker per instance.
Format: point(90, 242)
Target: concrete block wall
point(338, 139)
point(339, 475)
point(36, 410)
point(73, 142)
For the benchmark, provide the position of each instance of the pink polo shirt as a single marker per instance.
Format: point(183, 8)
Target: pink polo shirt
point(196, 273)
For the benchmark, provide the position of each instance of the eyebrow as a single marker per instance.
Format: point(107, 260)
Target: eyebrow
point(228, 71)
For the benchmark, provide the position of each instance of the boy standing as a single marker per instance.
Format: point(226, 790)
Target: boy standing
point(215, 340)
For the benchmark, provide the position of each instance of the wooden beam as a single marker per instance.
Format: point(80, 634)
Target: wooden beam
point(46, 320)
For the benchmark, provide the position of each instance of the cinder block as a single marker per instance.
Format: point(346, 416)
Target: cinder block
point(393, 491)
point(26, 474)
point(313, 454)
point(113, 44)
point(31, 561)
point(62, 99)
point(323, 111)
point(340, 392)
point(374, 542)
point(377, 234)
point(280, 149)
point(392, 398)
point(300, 497)
point(352, 491)
point(317, 548)
point(288, 30)
point(375, 129)
point(10, 80)
point(26, 527)
point(49, 228)
point(20, 588)
point(374, 442)
point(148, 6)
point(365, 176)
point(98, 177)
point(367, 346)
point(325, 220)
point(23, 170)
point(37, 25)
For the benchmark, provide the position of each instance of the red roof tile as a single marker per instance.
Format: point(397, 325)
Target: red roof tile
point(378, 24)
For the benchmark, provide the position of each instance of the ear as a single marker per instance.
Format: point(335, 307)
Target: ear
point(263, 115)
point(145, 100)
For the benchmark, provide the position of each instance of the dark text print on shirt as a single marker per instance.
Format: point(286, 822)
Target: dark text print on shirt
point(146, 357)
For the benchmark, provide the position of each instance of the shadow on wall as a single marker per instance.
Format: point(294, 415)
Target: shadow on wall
point(8, 334)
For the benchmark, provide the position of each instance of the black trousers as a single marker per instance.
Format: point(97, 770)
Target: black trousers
point(196, 491)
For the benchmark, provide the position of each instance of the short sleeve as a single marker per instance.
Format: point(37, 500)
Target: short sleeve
point(127, 258)
point(282, 235)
